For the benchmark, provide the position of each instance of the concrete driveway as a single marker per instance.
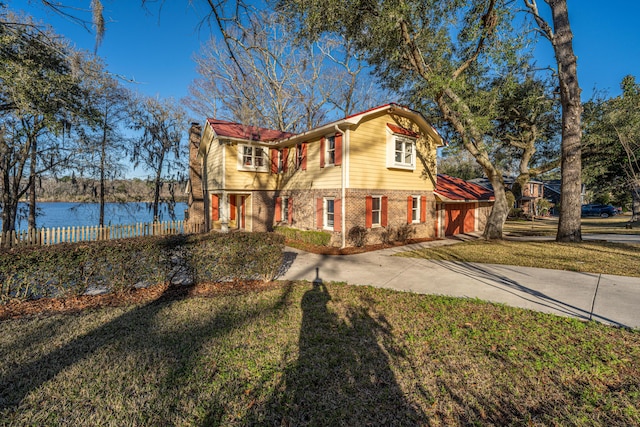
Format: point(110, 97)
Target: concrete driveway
point(609, 299)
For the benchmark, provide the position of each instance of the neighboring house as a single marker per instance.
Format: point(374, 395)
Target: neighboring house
point(552, 189)
point(374, 169)
point(462, 206)
point(526, 198)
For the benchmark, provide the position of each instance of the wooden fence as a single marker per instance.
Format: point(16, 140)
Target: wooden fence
point(52, 236)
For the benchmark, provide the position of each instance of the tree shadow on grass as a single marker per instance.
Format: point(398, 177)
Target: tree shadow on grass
point(342, 375)
point(136, 331)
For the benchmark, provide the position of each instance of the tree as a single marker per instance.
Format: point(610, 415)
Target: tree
point(441, 54)
point(158, 148)
point(459, 163)
point(270, 80)
point(70, 12)
point(612, 145)
point(40, 97)
point(560, 37)
point(527, 126)
point(103, 141)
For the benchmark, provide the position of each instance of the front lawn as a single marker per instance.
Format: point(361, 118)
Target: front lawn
point(295, 354)
point(549, 226)
point(592, 257)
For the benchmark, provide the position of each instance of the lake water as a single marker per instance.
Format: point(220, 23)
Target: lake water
point(62, 214)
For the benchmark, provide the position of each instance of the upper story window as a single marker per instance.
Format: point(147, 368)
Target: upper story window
point(405, 149)
point(281, 161)
point(301, 156)
point(330, 147)
point(401, 151)
point(253, 158)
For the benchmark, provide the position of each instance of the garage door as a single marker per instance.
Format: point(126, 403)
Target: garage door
point(458, 218)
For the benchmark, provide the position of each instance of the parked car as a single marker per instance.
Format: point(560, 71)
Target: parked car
point(603, 211)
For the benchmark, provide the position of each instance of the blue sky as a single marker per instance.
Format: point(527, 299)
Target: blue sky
point(155, 46)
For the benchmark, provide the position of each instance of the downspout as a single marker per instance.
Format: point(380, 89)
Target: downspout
point(343, 180)
point(223, 207)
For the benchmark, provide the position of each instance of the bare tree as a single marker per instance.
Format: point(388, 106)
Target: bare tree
point(271, 83)
point(277, 82)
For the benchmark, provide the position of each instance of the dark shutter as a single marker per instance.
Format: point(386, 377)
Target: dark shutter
point(319, 216)
point(215, 208)
point(278, 212)
point(383, 215)
point(369, 212)
point(338, 157)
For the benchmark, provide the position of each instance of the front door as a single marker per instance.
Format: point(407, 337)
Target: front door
point(237, 205)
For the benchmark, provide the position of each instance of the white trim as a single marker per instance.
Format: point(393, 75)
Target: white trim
point(379, 223)
point(392, 138)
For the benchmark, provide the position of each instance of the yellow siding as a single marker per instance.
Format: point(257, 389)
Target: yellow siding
point(368, 159)
point(237, 180)
point(212, 160)
point(314, 177)
point(367, 164)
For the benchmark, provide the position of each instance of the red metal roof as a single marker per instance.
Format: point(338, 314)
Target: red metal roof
point(458, 189)
point(251, 133)
point(402, 131)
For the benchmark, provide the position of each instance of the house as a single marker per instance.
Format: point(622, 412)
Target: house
point(552, 190)
point(526, 198)
point(375, 169)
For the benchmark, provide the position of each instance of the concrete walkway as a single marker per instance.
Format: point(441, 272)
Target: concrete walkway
point(605, 298)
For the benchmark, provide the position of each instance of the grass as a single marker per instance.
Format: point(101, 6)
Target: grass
point(593, 257)
point(549, 226)
point(296, 354)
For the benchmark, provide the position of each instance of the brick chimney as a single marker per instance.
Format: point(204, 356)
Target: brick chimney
point(196, 197)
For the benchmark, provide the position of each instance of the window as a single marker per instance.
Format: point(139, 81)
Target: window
point(281, 161)
point(301, 156)
point(401, 151)
point(285, 209)
point(330, 150)
point(415, 209)
point(253, 158)
point(404, 151)
point(376, 209)
point(329, 213)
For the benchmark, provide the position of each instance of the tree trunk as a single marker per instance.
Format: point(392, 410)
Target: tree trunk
point(9, 206)
point(569, 226)
point(32, 184)
point(635, 196)
point(103, 155)
point(158, 183)
point(500, 210)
